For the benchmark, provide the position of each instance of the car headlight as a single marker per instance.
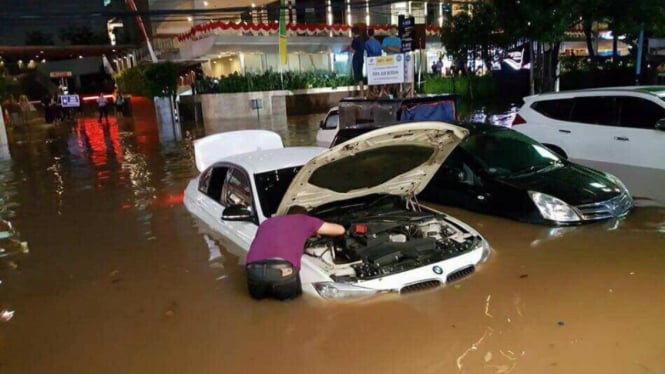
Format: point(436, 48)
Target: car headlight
point(486, 250)
point(335, 290)
point(552, 208)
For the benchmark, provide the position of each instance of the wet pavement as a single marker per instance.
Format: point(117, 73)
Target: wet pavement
point(104, 271)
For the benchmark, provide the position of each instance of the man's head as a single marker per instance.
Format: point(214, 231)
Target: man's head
point(297, 209)
point(370, 33)
point(355, 30)
point(393, 30)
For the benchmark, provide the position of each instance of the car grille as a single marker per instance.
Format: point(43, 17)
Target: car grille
point(459, 274)
point(614, 207)
point(420, 286)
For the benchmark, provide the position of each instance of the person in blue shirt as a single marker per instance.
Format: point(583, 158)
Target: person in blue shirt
point(372, 46)
point(392, 44)
point(358, 59)
point(373, 49)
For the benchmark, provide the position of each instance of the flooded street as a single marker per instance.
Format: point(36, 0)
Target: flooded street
point(106, 272)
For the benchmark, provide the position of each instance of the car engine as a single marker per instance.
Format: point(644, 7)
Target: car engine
point(381, 245)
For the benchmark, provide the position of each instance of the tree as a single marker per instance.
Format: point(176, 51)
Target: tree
point(38, 38)
point(542, 23)
point(476, 30)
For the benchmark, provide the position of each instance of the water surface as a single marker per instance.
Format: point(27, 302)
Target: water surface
point(116, 276)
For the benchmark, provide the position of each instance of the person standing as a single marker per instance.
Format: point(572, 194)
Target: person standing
point(372, 46)
point(273, 260)
point(102, 107)
point(373, 49)
point(119, 102)
point(26, 107)
point(358, 59)
point(392, 44)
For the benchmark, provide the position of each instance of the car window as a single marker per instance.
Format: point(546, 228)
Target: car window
point(332, 121)
point(639, 113)
point(211, 182)
point(594, 110)
point(555, 109)
point(456, 168)
point(271, 187)
point(237, 189)
point(508, 152)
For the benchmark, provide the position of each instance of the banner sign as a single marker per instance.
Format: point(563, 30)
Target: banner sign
point(408, 68)
point(283, 56)
point(70, 101)
point(405, 28)
point(60, 74)
point(385, 69)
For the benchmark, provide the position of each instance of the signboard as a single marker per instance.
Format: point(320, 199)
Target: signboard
point(70, 101)
point(405, 27)
point(408, 68)
point(385, 69)
point(60, 74)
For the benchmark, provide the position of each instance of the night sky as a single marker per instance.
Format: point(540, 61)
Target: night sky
point(20, 16)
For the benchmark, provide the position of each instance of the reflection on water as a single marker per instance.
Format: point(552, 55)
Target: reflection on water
point(119, 277)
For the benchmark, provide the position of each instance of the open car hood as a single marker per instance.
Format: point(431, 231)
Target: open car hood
point(397, 160)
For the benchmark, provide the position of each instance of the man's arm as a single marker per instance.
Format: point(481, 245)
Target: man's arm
point(331, 229)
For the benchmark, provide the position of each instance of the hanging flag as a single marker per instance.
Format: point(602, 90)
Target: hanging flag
point(283, 57)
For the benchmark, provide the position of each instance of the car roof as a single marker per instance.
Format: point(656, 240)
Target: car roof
point(274, 159)
point(658, 91)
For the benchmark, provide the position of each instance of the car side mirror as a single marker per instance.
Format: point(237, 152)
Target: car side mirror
point(660, 125)
point(322, 124)
point(237, 213)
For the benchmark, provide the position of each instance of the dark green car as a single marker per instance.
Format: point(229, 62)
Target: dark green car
point(500, 171)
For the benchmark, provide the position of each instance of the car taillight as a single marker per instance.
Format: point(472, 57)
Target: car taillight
point(518, 120)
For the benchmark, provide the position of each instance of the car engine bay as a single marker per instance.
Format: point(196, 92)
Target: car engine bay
point(387, 243)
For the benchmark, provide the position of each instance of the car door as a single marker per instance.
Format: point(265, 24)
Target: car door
point(458, 183)
point(636, 139)
point(208, 202)
point(591, 130)
point(237, 190)
point(222, 186)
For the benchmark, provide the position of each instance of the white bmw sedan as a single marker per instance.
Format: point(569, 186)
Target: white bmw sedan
point(368, 184)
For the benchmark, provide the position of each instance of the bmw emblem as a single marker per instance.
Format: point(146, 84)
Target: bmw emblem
point(437, 270)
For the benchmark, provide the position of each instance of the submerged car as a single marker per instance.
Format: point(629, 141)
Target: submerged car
point(369, 184)
point(499, 171)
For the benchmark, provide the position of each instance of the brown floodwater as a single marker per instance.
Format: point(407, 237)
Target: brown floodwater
point(106, 272)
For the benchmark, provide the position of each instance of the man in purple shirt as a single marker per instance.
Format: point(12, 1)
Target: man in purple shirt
point(273, 261)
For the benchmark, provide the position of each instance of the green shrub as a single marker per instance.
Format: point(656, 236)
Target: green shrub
point(483, 86)
point(160, 79)
point(271, 81)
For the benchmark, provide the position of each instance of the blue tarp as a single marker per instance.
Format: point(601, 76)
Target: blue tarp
point(437, 111)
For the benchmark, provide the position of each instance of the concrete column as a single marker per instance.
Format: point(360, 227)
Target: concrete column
point(169, 128)
point(4, 143)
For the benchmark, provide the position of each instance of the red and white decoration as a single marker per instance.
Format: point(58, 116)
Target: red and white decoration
point(255, 29)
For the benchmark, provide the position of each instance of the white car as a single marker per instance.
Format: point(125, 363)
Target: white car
point(620, 130)
point(619, 125)
point(328, 128)
point(369, 184)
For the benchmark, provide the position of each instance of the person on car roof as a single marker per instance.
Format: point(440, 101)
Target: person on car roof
point(273, 260)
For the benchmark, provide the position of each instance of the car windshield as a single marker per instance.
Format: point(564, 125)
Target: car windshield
point(509, 153)
point(271, 187)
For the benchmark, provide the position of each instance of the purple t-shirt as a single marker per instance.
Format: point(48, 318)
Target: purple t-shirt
point(284, 237)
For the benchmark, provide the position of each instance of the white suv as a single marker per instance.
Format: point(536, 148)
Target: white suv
point(617, 129)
